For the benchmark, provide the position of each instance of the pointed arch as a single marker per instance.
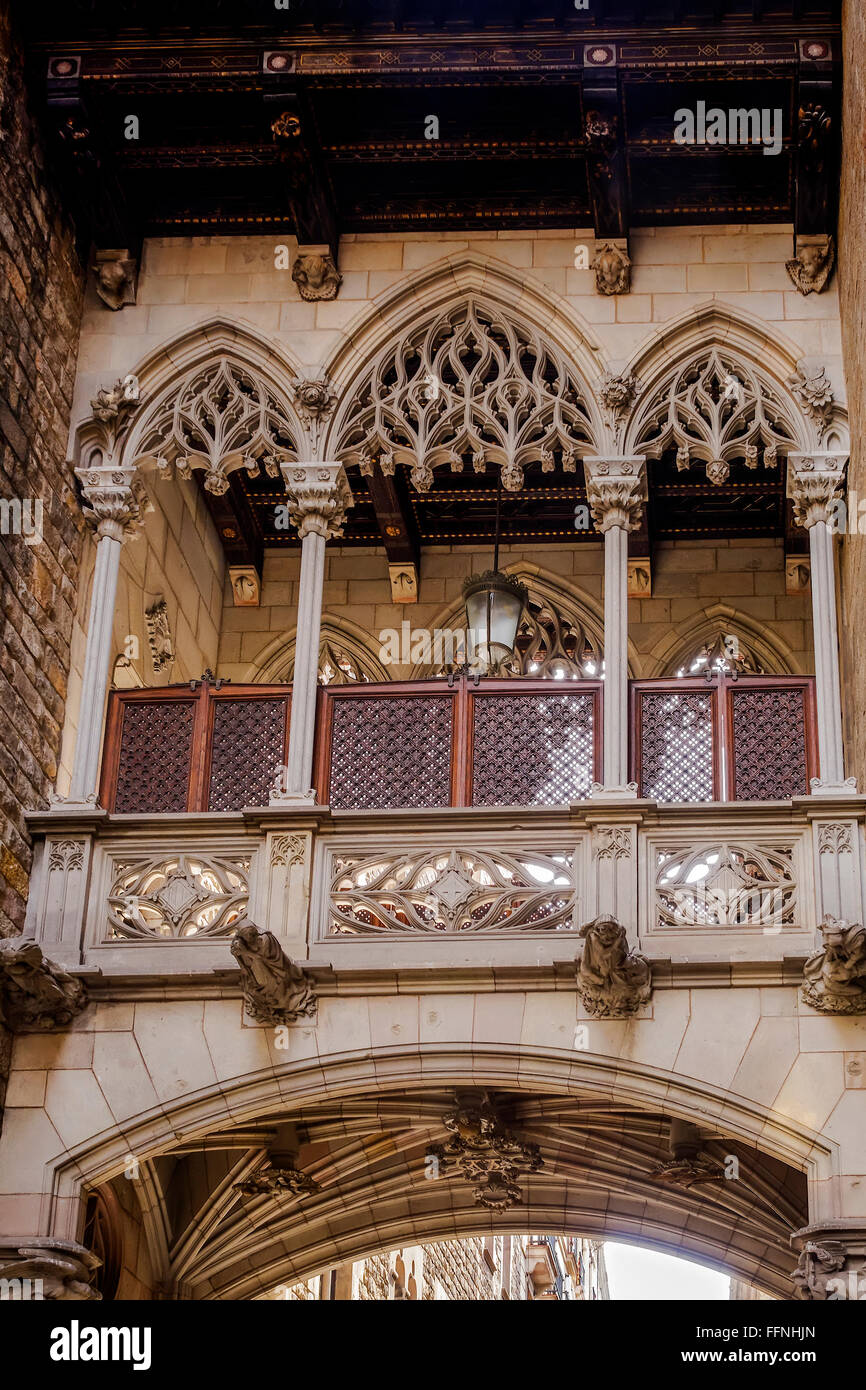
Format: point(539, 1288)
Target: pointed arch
point(217, 397)
point(342, 644)
point(466, 357)
point(765, 403)
point(679, 646)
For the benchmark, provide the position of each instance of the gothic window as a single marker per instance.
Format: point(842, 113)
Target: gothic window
point(725, 652)
point(467, 387)
point(553, 642)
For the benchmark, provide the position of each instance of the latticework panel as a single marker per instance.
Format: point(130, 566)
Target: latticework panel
point(676, 742)
point(769, 744)
point(532, 750)
point(247, 750)
point(391, 752)
point(155, 751)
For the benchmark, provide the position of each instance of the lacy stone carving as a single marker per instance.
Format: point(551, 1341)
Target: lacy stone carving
point(612, 269)
point(812, 266)
point(34, 992)
point(318, 498)
point(612, 981)
point(190, 896)
point(460, 891)
point(714, 409)
point(834, 978)
point(726, 885)
point(483, 1150)
point(616, 490)
point(469, 387)
point(218, 418)
point(614, 843)
point(834, 839)
point(316, 277)
point(278, 1180)
point(276, 990)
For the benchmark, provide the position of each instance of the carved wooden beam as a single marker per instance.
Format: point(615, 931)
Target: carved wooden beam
point(399, 533)
point(605, 151)
point(817, 135)
point(308, 187)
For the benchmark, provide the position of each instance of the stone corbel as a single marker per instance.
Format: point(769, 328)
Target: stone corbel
point(276, 991)
point(60, 1270)
point(315, 273)
point(34, 992)
point(834, 977)
point(116, 275)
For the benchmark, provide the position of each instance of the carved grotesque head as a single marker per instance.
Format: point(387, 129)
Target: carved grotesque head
point(316, 276)
point(612, 270)
point(604, 931)
point(812, 265)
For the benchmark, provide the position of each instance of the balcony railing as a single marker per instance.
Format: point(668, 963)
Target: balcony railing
point(431, 744)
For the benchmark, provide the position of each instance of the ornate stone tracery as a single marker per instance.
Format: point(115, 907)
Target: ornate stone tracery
point(220, 417)
point(187, 896)
point(468, 386)
point(715, 409)
point(726, 886)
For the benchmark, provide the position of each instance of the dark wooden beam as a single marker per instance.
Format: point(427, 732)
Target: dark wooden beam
point(817, 134)
point(307, 185)
point(396, 523)
point(606, 155)
point(239, 532)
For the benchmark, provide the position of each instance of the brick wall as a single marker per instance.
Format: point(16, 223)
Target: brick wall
point(852, 292)
point(40, 308)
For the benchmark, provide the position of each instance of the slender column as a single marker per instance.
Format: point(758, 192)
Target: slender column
point(318, 498)
point(116, 501)
point(814, 486)
point(616, 489)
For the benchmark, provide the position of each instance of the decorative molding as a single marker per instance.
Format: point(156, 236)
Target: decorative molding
point(444, 892)
point(276, 991)
point(319, 497)
point(715, 409)
point(834, 839)
point(834, 978)
point(65, 855)
point(219, 417)
point(287, 850)
point(616, 489)
point(612, 980)
point(314, 401)
point(613, 842)
point(34, 992)
point(188, 896)
point(61, 1269)
point(469, 385)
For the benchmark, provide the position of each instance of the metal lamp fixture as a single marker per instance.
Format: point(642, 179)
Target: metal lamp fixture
point(494, 604)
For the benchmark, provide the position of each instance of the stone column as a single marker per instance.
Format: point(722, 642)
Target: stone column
point(616, 489)
point(318, 498)
point(116, 501)
point(814, 486)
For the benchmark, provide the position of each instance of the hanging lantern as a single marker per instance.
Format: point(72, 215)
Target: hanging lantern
point(494, 604)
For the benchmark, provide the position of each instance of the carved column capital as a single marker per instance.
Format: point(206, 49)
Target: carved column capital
point(319, 496)
point(116, 499)
point(815, 484)
point(616, 489)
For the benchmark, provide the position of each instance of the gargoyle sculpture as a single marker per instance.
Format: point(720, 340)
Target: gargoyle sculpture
point(834, 978)
point(612, 270)
point(275, 989)
point(34, 992)
point(818, 1277)
point(612, 981)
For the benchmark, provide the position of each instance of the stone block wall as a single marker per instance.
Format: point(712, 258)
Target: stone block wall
point(40, 310)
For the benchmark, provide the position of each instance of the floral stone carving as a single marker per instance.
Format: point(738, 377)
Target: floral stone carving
point(834, 978)
point(34, 992)
point(275, 989)
point(279, 1179)
point(612, 980)
point(482, 1150)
